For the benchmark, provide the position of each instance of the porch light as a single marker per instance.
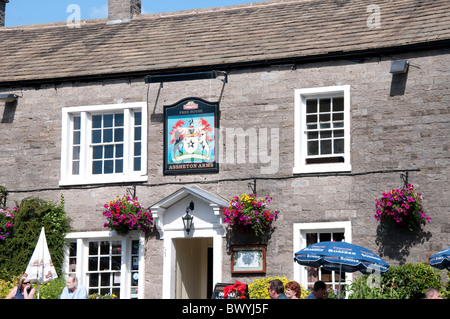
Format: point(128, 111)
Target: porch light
point(187, 219)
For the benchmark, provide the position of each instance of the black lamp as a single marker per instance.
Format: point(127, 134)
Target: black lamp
point(187, 219)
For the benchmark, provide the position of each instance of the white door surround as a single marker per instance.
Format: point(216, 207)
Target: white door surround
point(207, 223)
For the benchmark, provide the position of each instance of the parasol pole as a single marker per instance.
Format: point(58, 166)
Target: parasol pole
point(340, 271)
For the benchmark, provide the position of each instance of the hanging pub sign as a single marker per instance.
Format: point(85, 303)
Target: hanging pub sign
point(190, 137)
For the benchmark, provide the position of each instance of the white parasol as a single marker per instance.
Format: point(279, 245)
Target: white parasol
point(40, 269)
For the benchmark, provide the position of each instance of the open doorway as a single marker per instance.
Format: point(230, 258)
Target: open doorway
point(193, 268)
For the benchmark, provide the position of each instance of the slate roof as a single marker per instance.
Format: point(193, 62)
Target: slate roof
point(280, 30)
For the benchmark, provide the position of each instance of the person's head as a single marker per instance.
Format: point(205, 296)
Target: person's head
point(72, 282)
point(432, 293)
point(23, 282)
point(293, 289)
point(276, 288)
point(319, 289)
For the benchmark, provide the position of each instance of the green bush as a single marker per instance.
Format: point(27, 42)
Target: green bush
point(409, 281)
point(51, 289)
point(30, 216)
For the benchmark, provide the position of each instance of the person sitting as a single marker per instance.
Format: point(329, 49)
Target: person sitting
point(23, 290)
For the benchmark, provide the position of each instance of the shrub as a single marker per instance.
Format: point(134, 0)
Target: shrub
point(30, 215)
point(409, 281)
point(51, 289)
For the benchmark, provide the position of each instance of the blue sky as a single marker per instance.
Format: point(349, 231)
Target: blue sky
point(20, 12)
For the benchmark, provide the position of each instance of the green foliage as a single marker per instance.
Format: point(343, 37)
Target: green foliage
point(30, 216)
point(6, 284)
point(51, 289)
point(409, 281)
point(257, 289)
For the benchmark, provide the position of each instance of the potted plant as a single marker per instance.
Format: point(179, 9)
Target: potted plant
point(402, 207)
point(250, 213)
point(125, 214)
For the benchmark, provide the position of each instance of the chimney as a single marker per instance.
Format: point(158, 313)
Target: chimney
point(2, 12)
point(122, 10)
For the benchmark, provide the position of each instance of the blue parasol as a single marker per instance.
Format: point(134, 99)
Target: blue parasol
point(441, 260)
point(341, 256)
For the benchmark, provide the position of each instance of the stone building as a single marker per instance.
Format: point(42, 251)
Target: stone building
point(311, 112)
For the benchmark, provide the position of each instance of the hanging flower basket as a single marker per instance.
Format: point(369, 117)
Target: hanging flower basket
point(402, 207)
point(125, 214)
point(249, 213)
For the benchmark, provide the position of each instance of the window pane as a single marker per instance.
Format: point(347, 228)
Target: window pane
point(138, 118)
point(93, 280)
point(118, 135)
point(325, 105)
point(96, 136)
point(313, 148)
point(118, 119)
point(119, 150)
point(104, 248)
point(76, 137)
point(107, 136)
point(119, 166)
point(324, 118)
point(93, 248)
point(137, 134)
point(97, 152)
point(116, 263)
point(116, 247)
point(313, 135)
point(76, 153)
point(325, 147)
point(75, 168)
point(338, 117)
point(311, 119)
point(137, 149)
point(325, 134)
point(311, 106)
point(137, 164)
point(324, 237)
point(97, 167)
point(338, 104)
point(109, 167)
point(76, 122)
point(109, 151)
point(104, 263)
point(97, 121)
point(107, 120)
point(105, 279)
point(93, 263)
point(338, 146)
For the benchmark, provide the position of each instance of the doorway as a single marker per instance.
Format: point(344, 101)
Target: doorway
point(194, 266)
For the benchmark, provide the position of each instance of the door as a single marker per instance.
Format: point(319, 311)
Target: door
point(192, 267)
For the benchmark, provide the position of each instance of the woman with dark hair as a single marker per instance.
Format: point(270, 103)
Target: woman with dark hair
point(23, 290)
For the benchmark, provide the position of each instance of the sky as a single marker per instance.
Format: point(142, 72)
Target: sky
point(21, 12)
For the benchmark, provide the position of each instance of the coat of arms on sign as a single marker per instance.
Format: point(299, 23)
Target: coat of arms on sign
point(190, 128)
